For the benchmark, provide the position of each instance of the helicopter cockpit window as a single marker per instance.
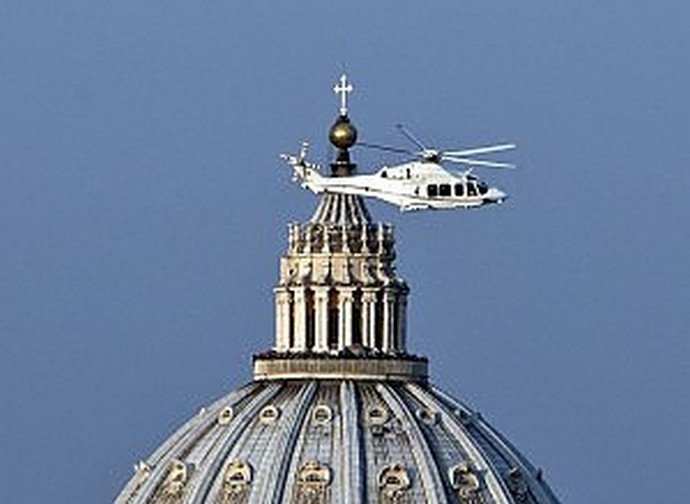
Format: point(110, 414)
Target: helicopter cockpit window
point(483, 188)
point(444, 190)
point(459, 190)
point(471, 189)
point(432, 190)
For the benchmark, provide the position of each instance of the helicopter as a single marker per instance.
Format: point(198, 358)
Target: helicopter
point(419, 184)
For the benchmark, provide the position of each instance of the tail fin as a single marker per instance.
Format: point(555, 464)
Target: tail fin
point(303, 171)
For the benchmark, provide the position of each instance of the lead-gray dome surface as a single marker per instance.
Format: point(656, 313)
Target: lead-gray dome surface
point(336, 441)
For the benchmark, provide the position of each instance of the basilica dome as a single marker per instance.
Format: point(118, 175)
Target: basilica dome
point(338, 411)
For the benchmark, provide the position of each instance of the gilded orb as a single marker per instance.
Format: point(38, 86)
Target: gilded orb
point(343, 134)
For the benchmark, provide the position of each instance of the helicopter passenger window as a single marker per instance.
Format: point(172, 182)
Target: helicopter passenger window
point(471, 189)
point(459, 189)
point(432, 190)
point(444, 190)
point(384, 174)
point(483, 188)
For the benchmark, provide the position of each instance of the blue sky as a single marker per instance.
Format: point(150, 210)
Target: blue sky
point(143, 208)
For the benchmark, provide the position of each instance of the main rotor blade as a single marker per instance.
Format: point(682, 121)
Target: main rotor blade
point(384, 148)
point(481, 150)
point(410, 137)
point(477, 162)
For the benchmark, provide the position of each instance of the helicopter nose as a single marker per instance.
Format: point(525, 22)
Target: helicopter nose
point(497, 195)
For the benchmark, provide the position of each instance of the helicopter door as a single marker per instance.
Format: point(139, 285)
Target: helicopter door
point(471, 189)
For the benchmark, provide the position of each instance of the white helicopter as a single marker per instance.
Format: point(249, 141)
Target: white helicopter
point(415, 185)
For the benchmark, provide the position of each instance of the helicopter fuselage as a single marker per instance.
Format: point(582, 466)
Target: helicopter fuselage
point(416, 185)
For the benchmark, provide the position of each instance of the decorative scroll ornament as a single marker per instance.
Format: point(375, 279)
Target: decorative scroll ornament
point(236, 480)
point(313, 480)
point(466, 483)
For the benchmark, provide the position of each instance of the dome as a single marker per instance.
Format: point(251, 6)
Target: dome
point(336, 441)
point(338, 411)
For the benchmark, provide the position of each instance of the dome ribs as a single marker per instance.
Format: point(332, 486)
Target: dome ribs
point(495, 486)
point(504, 459)
point(375, 449)
point(182, 442)
point(341, 209)
point(228, 445)
point(340, 442)
point(277, 443)
point(353, 465)
point(307, 447)
point(425, 462)
point(447, 452)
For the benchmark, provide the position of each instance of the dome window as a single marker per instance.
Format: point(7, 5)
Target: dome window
point(225, 416)
point(322, 415)
point(427, 416)
point(464, 416)
point(269, 414)
point(377, 415)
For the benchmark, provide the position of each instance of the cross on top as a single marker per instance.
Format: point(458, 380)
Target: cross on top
point(343, 88)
